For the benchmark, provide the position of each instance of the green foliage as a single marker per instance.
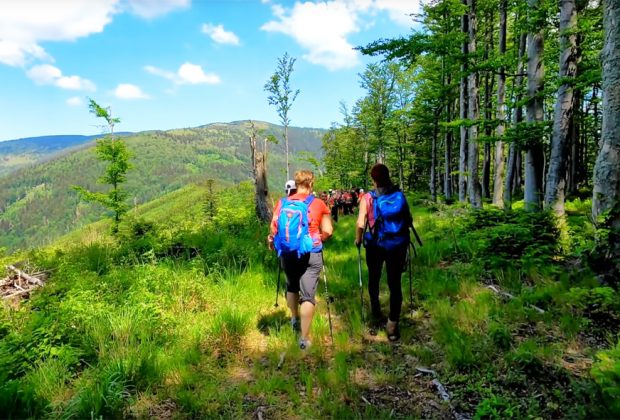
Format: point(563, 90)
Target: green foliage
point(606, 374)
point(115, 152)
point(529, 239)
point(601, 305)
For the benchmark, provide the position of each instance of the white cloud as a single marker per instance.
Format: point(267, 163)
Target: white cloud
point(149, 9)
point(74, 101)
point(187, 74)
point(399, 10)
point(193, 74)
point(322, 29)
point(219, 34)
point(129, 91)
point(46, 74)
point(24, 24)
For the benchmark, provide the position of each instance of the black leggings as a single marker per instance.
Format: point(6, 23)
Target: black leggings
point(395, 266)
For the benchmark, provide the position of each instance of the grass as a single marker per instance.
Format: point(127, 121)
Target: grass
point(126, 330)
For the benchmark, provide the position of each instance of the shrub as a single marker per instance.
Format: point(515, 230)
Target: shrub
point(513, 238)
point(601, 305)
point(606, 374)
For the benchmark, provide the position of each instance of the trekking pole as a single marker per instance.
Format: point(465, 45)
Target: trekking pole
point(327, 298)
point(359, 266)
point(410, 285)
point(278, 286)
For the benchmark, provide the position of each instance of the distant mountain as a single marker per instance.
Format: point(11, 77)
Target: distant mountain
point(17, 153)
point(38, 204)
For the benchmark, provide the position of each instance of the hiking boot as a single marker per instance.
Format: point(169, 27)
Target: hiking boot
point(377, 319)
point(296, 325)
point(392, 330)
point(304, 344)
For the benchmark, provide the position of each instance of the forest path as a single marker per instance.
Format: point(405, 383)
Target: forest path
point(360, 374)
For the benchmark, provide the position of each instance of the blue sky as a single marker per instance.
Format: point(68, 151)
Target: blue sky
point(162, 64)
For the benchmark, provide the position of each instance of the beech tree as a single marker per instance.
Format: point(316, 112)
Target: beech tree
point(282, 97)
point(113, 150)
point(606, 188)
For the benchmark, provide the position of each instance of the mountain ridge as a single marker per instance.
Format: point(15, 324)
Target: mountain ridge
point(38, 203)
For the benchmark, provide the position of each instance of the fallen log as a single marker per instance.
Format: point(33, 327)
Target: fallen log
point(509, 296)
point(21, 292)
point(26, 276)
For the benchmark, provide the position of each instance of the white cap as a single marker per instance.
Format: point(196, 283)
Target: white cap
point(361, 190)
point(290, 185)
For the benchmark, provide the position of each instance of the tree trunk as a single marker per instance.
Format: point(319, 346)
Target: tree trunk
point(288, 164)
point(498, 177)
point(606, 193)
point(259, 173)
point(463, 105)
point(575, 137)
point(474, 188)
point(433, 178)
point(489, 85)
point(447, 187)
point(514, 155)
point(534, 155)
point(555, 190)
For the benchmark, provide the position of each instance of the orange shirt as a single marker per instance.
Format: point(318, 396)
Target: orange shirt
point(317, 209)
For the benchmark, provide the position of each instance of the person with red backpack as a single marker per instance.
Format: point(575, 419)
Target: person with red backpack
point(300, 225)
point(383, 226)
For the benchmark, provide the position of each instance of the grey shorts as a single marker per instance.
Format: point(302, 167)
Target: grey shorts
point(302, 274)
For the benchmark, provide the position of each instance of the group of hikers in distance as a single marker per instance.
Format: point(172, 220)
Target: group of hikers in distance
point(301, 224)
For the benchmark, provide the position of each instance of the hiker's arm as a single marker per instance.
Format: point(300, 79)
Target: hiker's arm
point(327, 229)
point(361, 222)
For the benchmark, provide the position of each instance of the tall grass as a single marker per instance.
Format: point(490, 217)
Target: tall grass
point(194, 333)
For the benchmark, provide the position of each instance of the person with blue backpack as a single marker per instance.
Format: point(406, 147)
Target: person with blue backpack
point(382, 227)
point(301, 223)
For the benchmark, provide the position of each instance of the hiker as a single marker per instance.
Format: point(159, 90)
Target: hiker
point(301, 255)
point(333, 205)
point(386, 214)
point(290, 188)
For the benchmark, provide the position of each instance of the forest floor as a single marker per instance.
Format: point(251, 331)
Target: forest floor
point(196, 334)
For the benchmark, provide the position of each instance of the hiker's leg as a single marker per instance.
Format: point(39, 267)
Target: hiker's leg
point(292, 301)
point(307, 313)
point(395, 265)
point(374, 262)
point(292, 270)
point(308, 284)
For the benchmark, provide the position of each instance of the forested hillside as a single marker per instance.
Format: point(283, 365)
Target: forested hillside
point(37, 203)
point(17, 153)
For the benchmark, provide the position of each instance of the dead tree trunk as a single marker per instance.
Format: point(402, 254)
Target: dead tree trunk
point(259, 172)
point(555, 190)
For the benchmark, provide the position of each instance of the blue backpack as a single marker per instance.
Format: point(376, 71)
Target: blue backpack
point(392, 221)
point(293, 235)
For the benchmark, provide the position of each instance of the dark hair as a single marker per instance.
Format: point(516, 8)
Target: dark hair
point(381, 175)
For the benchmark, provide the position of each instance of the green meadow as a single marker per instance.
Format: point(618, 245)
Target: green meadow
point(176, 319)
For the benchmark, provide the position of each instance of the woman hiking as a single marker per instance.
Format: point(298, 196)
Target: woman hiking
point(300, 225)
point(386, 214)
